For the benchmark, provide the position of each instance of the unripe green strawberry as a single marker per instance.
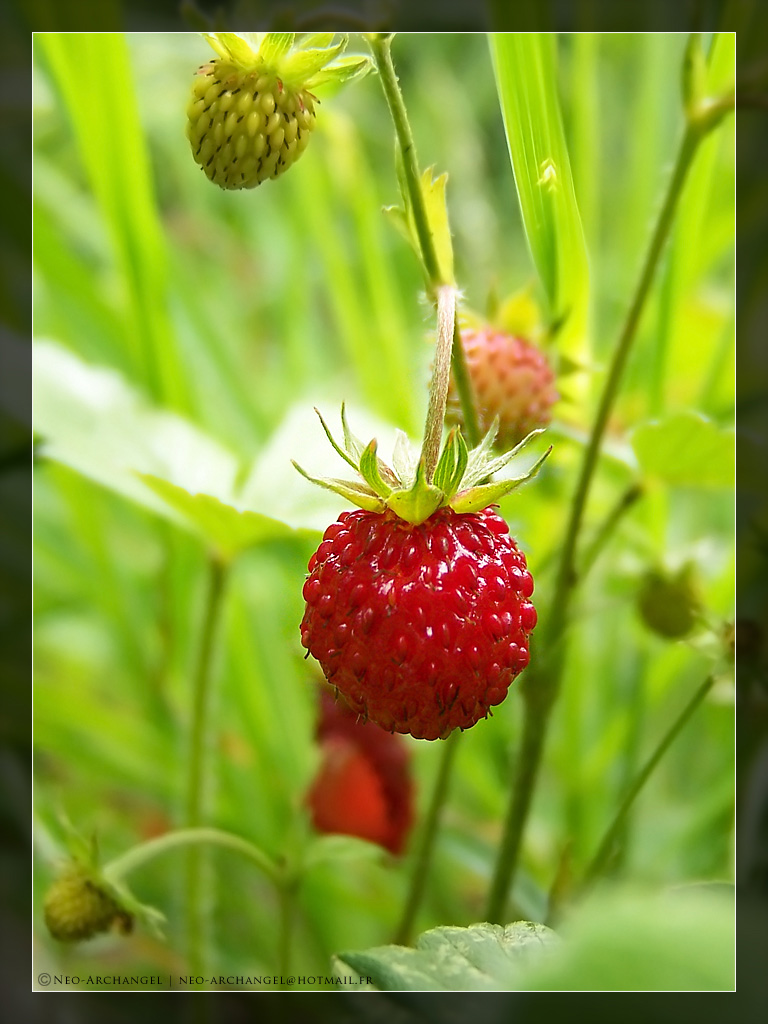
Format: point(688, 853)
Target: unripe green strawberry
point(670, 603)
point(512, 381)
point(77, 906)
point(246, 126)
point(251, 112)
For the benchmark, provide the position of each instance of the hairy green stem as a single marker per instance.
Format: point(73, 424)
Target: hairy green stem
point(142, 854)
point(438, 391)
point(605, 849)
point(423, 856)
point(382, 57)
point(196, 766)
point(540, 688)
point(632, 494)
point(286, 892)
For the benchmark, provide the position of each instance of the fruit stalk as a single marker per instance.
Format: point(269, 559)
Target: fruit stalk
point(605, 849)
point(198, 744)
point(438, 391)
point(540, 688)
point(138, 856)
point(426, 843)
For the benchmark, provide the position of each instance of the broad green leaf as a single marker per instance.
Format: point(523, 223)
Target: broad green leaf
point(633, 941)
point(526, 79)
point(333, 849)
point(225, 527)
point(686, 450)
point(93, 421)
point(90, 419)
point(482, 957)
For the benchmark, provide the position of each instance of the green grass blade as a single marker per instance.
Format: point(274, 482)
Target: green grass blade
point(525, 67)
point(93, 74)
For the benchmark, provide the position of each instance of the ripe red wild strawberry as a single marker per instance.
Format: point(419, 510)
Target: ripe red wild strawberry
point(251, 111)
point(418, 605)
point(363, 787)
point(512, 381)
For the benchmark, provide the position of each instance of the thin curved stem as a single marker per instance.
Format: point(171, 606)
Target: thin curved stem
point(142, 854)
point(423, 857)
point(540, 689)
point(605, 849)
point(198, 743)
point(286, 893)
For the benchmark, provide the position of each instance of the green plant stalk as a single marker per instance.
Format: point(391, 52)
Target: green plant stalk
point(380, 46)
point(604, 533)
point(142, 854)
point(286, 893)
point(382, 57)
point(423, 857)
point(540, 689)
point(605, 849)
point(438, 391)
point(197, 762)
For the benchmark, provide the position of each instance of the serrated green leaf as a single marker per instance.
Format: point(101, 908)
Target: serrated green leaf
point(482, 957)
point(333, 849)
point(436, 209)
point(635, 941)
point(398, 218)
point(526, 78)
point(90, 419)
point(436, 206)
point(686, 450)
point(226, 528)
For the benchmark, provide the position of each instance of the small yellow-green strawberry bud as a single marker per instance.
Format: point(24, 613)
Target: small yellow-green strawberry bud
point(77, 906)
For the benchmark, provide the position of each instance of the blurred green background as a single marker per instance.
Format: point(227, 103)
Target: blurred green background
point(187, 332)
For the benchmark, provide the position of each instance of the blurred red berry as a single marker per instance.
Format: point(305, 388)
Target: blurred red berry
point(363, 787)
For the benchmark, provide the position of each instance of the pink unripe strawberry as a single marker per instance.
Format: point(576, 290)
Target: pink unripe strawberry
point(511, 380)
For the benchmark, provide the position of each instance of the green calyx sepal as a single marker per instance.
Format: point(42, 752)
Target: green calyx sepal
point(308, 61)
point(461, 479)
